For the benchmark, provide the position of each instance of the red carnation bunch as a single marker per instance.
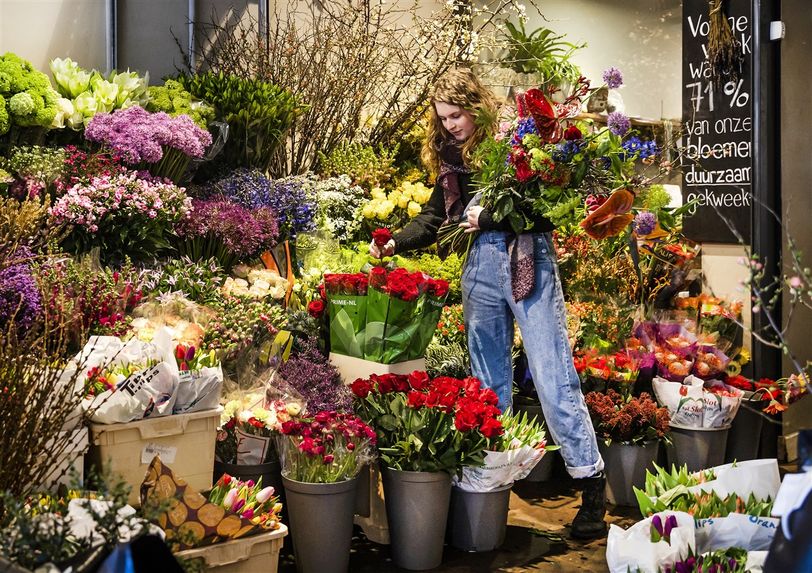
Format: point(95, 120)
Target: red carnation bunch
point(458, 417)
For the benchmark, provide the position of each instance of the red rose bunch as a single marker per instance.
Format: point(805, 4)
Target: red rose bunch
point(315, 308)
point(326, 448)
point(354, 284)
point(457, 418)
point(437, 287)
point(381, 236)
point(399, 283)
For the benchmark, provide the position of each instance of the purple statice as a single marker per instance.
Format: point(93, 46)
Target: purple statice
point(612, 77)
point(636, 147)
point(248, 187)
point(618, 123)
point(20, 300)
point(243, 232)
point(526, 126)
point(139, 136)
point(293, 205)
point(644, 223)
point(310, 373)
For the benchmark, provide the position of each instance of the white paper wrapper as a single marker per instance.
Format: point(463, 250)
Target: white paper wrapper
point(736, 530)
point(690, 405)
point(632, 549)
point(500, 469)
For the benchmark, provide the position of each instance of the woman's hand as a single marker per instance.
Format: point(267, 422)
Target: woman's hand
point(471, 225)
point(377, 252)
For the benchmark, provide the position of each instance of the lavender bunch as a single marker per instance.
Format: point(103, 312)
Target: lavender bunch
point(311, 374)
point(20, 300)
point(226, 231)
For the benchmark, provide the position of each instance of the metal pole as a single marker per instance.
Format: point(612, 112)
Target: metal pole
point(766, 212)
point(262, 16)
point(192, 16)
point(111, 35)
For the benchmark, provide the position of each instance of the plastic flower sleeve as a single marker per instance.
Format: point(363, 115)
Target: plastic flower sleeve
point(430, 312)
point(347, 308)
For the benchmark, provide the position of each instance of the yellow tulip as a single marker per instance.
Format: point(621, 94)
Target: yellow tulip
point(414, 209)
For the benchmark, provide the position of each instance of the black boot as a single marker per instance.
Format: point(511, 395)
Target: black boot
point(588, 523)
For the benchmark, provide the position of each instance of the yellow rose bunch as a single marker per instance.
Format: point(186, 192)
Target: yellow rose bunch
point(404, 202)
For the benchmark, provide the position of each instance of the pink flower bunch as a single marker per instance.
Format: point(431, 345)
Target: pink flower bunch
point(139, 136)
point(120, 195)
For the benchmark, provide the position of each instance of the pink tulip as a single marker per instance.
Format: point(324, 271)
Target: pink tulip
point(265, 494)
point(238, 506)
point(230, 498)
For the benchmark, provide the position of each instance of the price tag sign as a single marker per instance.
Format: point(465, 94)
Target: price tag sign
point(717, 127)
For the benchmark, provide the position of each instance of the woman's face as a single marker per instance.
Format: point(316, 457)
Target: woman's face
point(456, 120)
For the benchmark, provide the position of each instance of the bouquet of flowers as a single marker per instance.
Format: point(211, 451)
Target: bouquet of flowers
point(730, 560)
point(346, 296)
point(651, 544)
point(627, 419)
point(249, 500)
point(422, 424)
point(508, 457)
point(339, 207)
point(158, 142)
point(327, 448)
point(247, 426)
point(695, 403)
point(778, 394)
point(620, 367)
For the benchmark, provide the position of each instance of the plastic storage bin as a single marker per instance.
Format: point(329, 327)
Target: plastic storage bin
point(184, 441)
point(246, 555)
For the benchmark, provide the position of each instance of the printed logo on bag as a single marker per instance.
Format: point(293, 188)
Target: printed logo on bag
point(134, 383)
point(344, 302)
point(704, 522)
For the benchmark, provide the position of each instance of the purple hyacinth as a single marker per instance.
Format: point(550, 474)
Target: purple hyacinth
point(612, 77)
point(20, 298)
point(644, 223)
point(618, 123)
point(139, 136)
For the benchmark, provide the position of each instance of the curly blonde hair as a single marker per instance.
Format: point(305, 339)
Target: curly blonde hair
point(460, 87)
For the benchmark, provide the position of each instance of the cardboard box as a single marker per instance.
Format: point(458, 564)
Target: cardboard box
point(183, 441)
point(245, 555)
point(352, 368)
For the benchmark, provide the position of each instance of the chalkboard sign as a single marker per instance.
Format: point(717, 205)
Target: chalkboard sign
point(717, 128)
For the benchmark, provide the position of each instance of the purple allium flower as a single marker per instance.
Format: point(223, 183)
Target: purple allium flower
point(612, 77)
point(618, 123)
point(311, 374)
point(139, 136)
point(644, 223)
point(243, 232)
point(20, 299)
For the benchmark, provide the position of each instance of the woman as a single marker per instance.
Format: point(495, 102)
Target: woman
point(506, 278)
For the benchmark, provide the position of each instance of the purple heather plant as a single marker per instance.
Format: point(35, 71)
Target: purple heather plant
point(140, 136)
point(20, 299)
point(243, 232)
point(311, 374)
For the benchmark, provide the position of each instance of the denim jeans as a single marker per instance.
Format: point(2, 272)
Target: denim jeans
point(489, 314)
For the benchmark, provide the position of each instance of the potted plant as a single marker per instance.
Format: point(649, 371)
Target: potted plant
point(426, 430)
point(629, 430)
point(321, 458)
point(481, 496)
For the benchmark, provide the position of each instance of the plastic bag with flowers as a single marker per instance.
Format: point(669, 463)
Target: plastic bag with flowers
point(347, 307)
point(249, 423)
point(424, 424)
point(128, 381)
point(395, 330)
point(327, 448)
point(508, 457)
point(695, 403)
point(200, 379)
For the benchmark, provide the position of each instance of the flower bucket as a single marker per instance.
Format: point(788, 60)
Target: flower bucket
point(626, 466)
point(320, 516)
point(544, 469)
point(417, 510)
point(699, 448)
point(745, 432)
point(478, 520)
point(270, 472)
